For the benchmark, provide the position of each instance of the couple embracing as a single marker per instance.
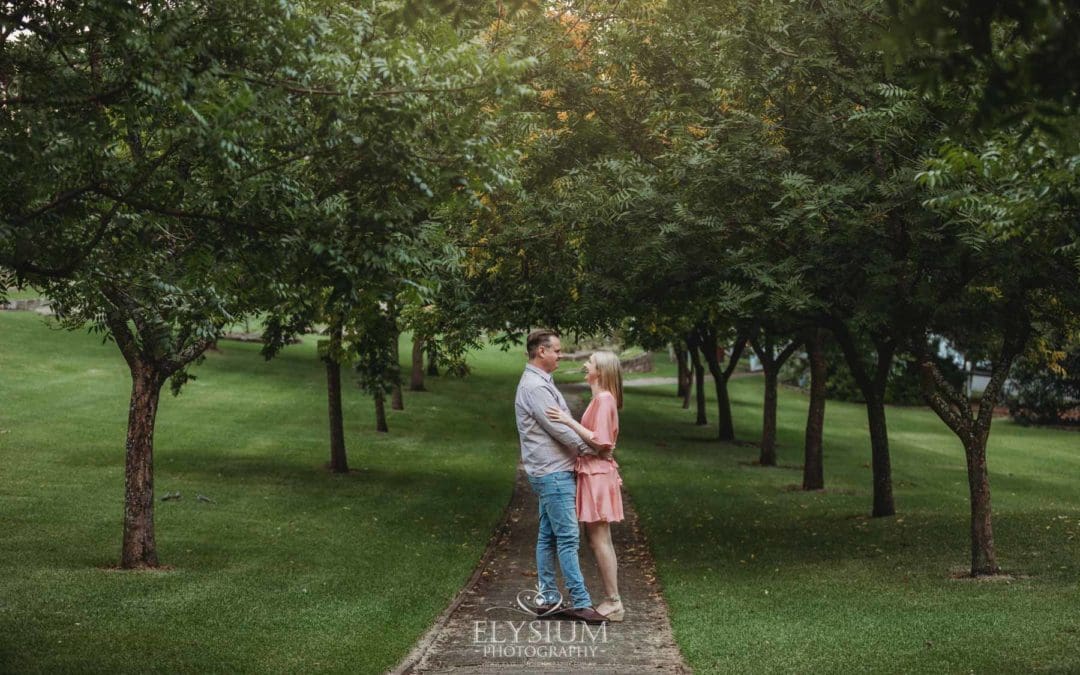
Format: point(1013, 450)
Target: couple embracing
point(571, 468)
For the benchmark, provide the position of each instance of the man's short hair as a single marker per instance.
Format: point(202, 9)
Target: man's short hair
point(537, 339)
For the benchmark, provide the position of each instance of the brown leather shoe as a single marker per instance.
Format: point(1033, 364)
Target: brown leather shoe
point(548, 611)
point(586, 614)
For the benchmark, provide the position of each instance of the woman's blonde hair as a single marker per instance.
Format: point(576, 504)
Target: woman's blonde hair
point(609, 372)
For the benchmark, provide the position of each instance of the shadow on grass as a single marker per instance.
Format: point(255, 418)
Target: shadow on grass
point(834, 528)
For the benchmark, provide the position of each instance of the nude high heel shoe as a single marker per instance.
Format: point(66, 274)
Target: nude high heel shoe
point(615, 615)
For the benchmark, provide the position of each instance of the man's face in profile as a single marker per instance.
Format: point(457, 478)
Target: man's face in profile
point(549, 355)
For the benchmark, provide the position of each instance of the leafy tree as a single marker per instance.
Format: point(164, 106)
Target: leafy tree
point(194, 141)
point(146, 181)
point(1015, 284)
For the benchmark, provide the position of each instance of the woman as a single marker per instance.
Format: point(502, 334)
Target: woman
point(599, 500)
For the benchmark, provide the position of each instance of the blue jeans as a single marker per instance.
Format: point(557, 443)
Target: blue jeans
point(559, 535)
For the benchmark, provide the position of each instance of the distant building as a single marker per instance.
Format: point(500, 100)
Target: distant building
point(976, 373)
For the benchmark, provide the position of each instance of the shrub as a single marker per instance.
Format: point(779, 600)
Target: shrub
point(1040, 394)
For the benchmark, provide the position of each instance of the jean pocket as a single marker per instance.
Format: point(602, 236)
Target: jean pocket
point(565, 487)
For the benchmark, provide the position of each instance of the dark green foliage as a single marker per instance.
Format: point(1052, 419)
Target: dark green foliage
point(1022, 56)
point(1039, 395)
point(904, 383)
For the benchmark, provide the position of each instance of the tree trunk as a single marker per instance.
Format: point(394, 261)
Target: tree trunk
point(380, 413)
point(873, 391)
point(721, 376)
point(433, 359)
point(699, 382)
point(723, 409)
point(338, 460)
point(139, 549)
point(879, 452)
point(954, 409)
point(397, 401)
point(813, 462)
point(416, 382)
point(723, 403)
point(983, 556)
point(768, 419)
point(771, 363)
point(683, 377)
point(688, 377)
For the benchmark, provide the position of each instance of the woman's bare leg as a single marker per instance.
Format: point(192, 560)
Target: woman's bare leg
point(604, 551)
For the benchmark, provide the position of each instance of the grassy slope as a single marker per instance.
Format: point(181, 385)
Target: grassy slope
point(764, 579)
point(292, 568)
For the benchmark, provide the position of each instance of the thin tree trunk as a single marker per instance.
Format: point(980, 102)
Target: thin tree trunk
point(721, 376)
point(688, 377)
point(433, 358)
point(397, 401)
point(771, 362)
point(873, 390)
point(973, 430)
point(139, 548)
point(813, 463)
point(879, 453)
point(983, 555)
point(723, 410)
point(727, 423)
point(708, 341)
point(338, 460)
point(683, 377)
point(416, 381)
point(768, 425)
point(380, 413)
point(699, 381)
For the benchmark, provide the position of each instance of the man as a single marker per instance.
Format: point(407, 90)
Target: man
point(549, 453)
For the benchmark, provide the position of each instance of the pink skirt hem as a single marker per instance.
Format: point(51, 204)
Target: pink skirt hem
point(599, 497)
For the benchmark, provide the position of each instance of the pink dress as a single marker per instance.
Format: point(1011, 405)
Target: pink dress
point(598, 481)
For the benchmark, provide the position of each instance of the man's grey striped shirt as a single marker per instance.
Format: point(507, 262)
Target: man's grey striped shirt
point(546, 446)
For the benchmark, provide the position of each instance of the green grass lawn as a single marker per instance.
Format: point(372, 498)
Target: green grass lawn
point(291, 568)
point(763, 578)
point(27, 293)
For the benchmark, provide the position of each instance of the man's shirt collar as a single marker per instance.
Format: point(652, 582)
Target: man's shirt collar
point(539, 371)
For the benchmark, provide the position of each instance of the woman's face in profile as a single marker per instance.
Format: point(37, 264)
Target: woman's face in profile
point(590, 370)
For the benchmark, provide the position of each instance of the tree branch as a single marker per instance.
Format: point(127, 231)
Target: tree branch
point(935, 390)
point(786, 352)
point(58, 201)
point(23, 267)
point(103, 98)
point(1011, 347)
point(736, 354)
point(851, 354)
point(125, 340)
